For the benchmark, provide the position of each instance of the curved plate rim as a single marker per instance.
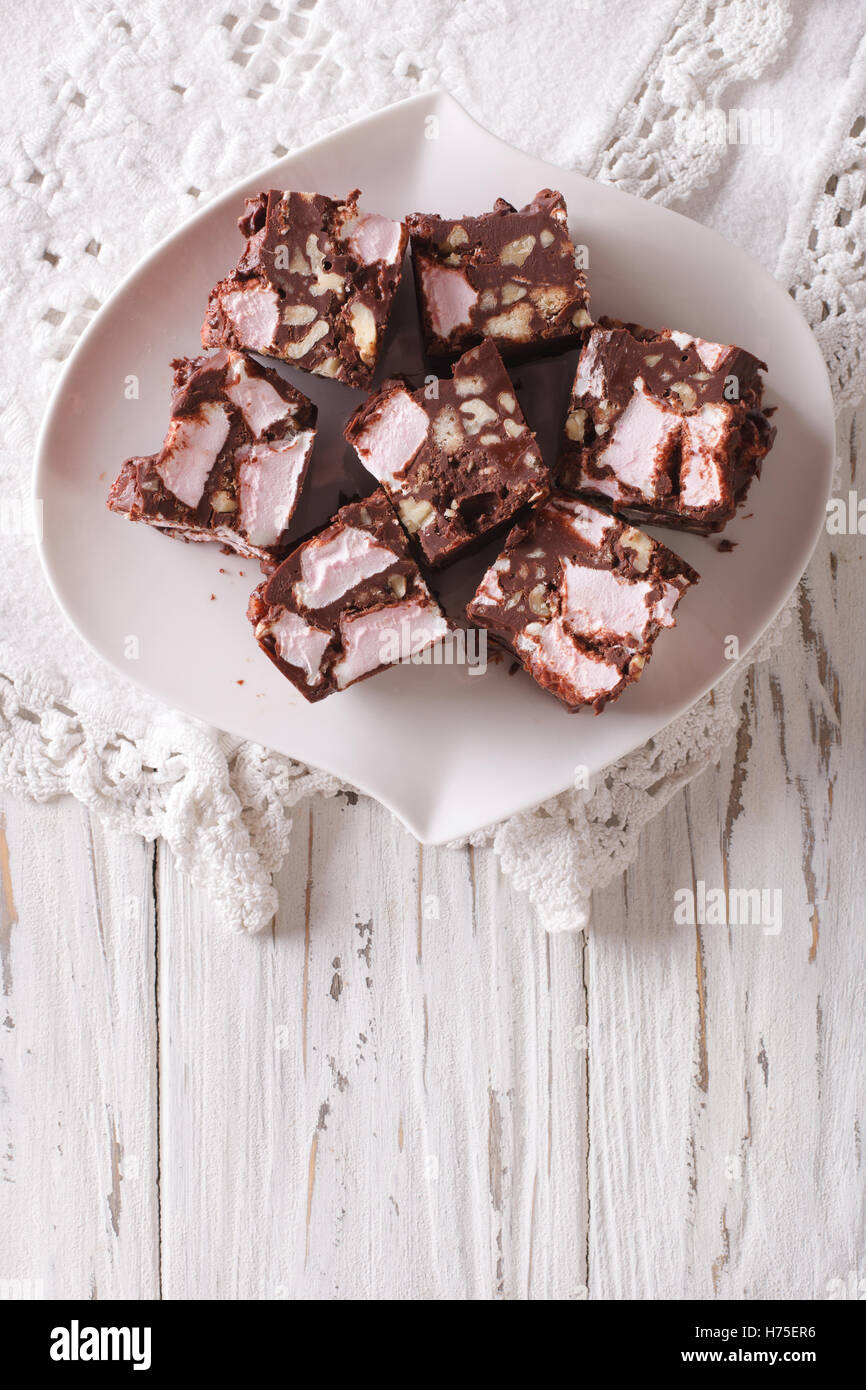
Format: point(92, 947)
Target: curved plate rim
point(430, 100)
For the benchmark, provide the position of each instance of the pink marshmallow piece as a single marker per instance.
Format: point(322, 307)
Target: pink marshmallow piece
point(587, 522)
point(595, 602)
point(700, 475)
point(254, 315)
point(385, 636)
point(375, 238)
point(190, 451)
point(711, 354)
point(329, 568)
point(640, 438)
point(257, 400)
point(393, 437)
point(554, 652)
point(269, 476)
point(300, 644)
point(449, 297)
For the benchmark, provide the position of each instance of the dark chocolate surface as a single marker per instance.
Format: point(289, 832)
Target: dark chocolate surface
point(478, 464)
point(520, 264)
point(329, 306)
point(395, 585)
point(140, 492)
point(619, 359)
point(526, 592)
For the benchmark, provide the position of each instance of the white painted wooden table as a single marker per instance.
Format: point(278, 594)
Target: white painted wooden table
point(405, 1090)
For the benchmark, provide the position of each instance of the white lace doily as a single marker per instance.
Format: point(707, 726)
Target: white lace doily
point(128, 121)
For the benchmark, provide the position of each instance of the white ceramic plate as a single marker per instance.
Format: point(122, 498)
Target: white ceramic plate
point(447, 751)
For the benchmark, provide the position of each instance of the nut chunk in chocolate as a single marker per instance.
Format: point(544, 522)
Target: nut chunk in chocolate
point(234, 459)
point(456, 458)
point(314, 285)
point(346, 603)
point(665, 427)
point(580, 598)
point(506, 275)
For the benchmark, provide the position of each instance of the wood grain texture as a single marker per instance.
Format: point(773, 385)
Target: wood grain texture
point(78, 1197)
point(406, 1065)
point(405, 1090)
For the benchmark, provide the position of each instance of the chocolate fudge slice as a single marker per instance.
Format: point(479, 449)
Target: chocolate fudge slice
point(667, 428)
point(346, 603)
point(580, 598)
point(233, 462)
point(456, 458)
point(314, 285)
point(508, 275)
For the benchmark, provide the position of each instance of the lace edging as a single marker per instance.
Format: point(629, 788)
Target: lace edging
point(226, 815)
point(822, 260)
point(711, 46)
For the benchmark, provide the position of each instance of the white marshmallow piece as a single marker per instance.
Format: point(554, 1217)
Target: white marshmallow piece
point(330, 568)
point(590, 379)
point(608, 487)
point(489, 591)
point(191, 449)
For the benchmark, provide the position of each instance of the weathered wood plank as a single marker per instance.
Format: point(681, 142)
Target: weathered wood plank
point(78, 1197)
point(388, 1099)
point(645, 1054)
